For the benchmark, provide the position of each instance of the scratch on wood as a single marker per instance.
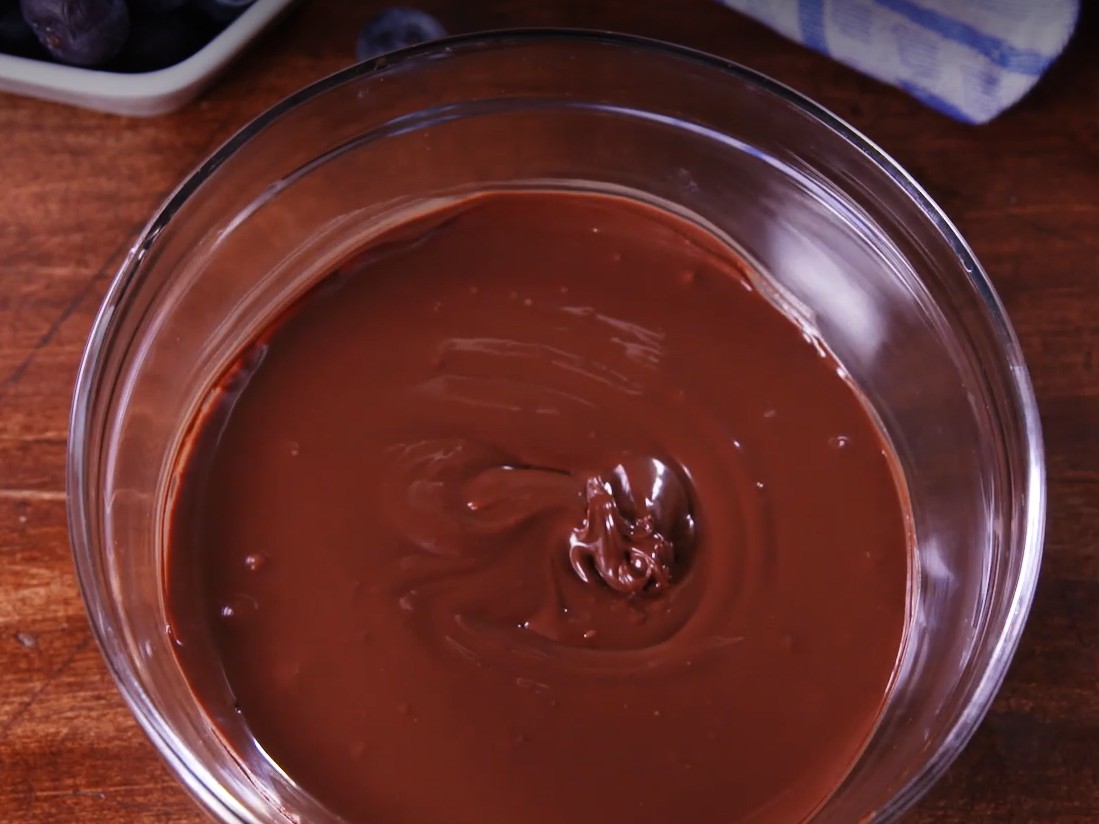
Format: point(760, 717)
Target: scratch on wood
point(66, 312)
point(31, 495)
point(26, 705)
point(97, 794)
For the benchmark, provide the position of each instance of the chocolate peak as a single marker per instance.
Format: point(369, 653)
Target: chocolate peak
point(637, 528)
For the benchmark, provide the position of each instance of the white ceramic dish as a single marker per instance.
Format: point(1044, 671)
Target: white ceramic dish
point(143, 94)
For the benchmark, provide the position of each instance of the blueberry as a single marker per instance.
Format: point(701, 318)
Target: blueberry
point(160, 40)
point(80, 32)
point(396, 28)
point(16, 36)
point(223, 10)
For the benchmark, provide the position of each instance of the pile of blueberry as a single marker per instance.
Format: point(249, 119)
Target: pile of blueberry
point(145, 35)
point(115, 35)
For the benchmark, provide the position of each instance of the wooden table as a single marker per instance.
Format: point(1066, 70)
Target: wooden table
point(76, 186)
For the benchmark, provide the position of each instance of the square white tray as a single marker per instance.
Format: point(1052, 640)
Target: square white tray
point(142, 94)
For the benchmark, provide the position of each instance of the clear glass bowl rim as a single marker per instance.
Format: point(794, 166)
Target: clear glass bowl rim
point(1022, 399)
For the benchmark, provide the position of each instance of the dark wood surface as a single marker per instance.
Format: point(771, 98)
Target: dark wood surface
point(76, 186)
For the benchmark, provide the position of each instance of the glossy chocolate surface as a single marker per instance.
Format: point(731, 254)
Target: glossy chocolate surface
point(537, 511)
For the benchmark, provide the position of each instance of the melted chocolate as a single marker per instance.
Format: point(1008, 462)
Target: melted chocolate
point(537, 511)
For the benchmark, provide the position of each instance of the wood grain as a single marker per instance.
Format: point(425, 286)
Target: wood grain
point(75, 188)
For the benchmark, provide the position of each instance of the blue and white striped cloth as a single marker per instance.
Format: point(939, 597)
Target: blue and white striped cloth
point(970, 59)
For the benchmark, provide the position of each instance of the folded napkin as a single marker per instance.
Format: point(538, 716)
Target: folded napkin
point(970, 59)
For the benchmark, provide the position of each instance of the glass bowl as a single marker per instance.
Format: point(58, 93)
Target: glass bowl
point(840, 232)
